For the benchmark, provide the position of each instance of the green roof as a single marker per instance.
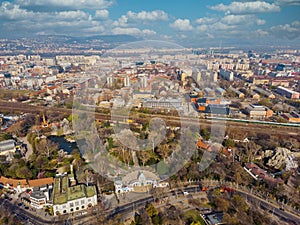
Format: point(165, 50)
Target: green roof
point(90, 191)
point(63, 193)
point(60, 190)
point(76, 192)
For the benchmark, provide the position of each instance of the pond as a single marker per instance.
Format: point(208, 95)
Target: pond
point(63, 143)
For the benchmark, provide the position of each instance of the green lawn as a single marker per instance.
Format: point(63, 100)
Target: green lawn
point(193, 216)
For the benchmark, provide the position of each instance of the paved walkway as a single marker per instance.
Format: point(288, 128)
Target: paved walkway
point(28, 145)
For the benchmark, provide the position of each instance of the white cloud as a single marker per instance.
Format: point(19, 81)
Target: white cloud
point(182, 36)
point(10, 11)
point(206, 20)
point(151, 16)
point(68, 15)
point(289, 31)
point(148, 32)
point(231, 24)
point(242, 20)
point(287, 2)
point(228, 23)
point(202, 28)
point(102, 14)
point(237, 19)
point(222, 26)
point(74, 22)
point(260, 22)
point(182, 25)
point(121, 22)
point(247, 7)
point(210, 36)
point(95, 29)
point(166, 37)
point(143, 16)
point(71, 4)
point(261, 33)
point(133, 31)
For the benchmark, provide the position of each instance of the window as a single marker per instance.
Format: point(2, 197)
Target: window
point(82, 202)
point(77, 203)
point(72, 204)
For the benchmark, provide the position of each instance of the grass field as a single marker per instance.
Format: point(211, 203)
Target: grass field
point(193, 216)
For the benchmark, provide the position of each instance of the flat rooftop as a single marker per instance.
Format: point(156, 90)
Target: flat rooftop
point(64, 193)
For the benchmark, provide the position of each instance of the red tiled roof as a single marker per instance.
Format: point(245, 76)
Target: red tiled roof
point(226, 152)
point(26, 183)
point(40, 182)
point(201, 144)
point(52, 88)
point(13, 182)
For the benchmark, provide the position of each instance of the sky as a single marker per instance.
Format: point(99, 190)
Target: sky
point(186, 22)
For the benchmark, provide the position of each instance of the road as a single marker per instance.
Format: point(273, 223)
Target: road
point(25, 215)
point(268, 206)
point(265, 205)
point(92, 215)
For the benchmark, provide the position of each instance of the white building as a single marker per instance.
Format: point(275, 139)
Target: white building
point(40, 196)
point(69, 198)
point(164, 103)
point(144, 82)
point(138, 181)
point(7, 147)
point(288, 93)
point(226, 74)
point(127, 81)
point(110, 81)
point(196, 75)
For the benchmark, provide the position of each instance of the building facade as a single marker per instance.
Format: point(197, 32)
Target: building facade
point(258, 111)
point(163, 103)
point(287, 93)
point(69, 197)
point(138, 182)
point(7, 147)
point(226, 74)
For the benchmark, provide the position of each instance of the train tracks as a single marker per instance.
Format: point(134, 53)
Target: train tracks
point(244, 126)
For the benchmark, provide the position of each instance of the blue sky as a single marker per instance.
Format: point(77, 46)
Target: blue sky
point(187, 22)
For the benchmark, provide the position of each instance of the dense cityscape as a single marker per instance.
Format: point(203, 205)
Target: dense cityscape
point(105, 119)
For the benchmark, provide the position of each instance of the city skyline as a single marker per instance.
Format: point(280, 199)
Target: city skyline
point(189, 23)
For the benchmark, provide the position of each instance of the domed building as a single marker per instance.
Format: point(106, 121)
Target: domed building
point(138, 181)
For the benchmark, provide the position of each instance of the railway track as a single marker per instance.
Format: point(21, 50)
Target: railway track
point(244, 126)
